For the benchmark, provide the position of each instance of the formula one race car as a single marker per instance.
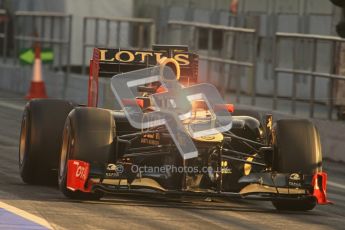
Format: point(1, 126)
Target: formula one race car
point(92, 151)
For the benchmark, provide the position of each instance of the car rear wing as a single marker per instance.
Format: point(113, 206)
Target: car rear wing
point(109, 62)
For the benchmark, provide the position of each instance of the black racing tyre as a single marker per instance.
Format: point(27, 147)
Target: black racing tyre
point(88, 136)
point(40, 140)
point(297, 149)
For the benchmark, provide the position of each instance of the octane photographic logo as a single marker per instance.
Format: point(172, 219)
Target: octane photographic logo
point(116, 170)
point(172, 107)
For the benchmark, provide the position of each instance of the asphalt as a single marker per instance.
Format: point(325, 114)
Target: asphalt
point(130, 211)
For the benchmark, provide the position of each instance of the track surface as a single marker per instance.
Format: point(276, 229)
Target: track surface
point(150, 212)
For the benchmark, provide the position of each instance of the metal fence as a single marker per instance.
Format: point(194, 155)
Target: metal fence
point(271, 16)
point(236, 47)
point(297, 71)
point(3, 33)
point(52, 30)
point(116, 32)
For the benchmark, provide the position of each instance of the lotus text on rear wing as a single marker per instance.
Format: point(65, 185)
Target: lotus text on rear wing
point(132, 56)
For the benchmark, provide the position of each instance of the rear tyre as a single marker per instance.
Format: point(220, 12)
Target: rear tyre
point(40, 140)
point(88, 136)
point(297, 149)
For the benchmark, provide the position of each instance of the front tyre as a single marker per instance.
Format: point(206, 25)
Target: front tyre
point(67, 147)
point(88, 136)
point(297, 149)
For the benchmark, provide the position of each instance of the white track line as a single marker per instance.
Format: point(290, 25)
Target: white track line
point(12, 209)
point(26, 215)
point(334, 184)
point(11, 106)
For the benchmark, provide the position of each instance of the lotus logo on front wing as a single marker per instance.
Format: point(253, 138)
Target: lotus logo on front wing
point(295, 176)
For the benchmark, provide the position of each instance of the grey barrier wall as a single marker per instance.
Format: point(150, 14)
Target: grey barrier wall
point(116, 33)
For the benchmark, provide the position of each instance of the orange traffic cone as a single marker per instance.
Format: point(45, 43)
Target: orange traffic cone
point(37, 88)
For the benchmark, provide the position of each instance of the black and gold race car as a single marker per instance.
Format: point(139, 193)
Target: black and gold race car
point(93, 151)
